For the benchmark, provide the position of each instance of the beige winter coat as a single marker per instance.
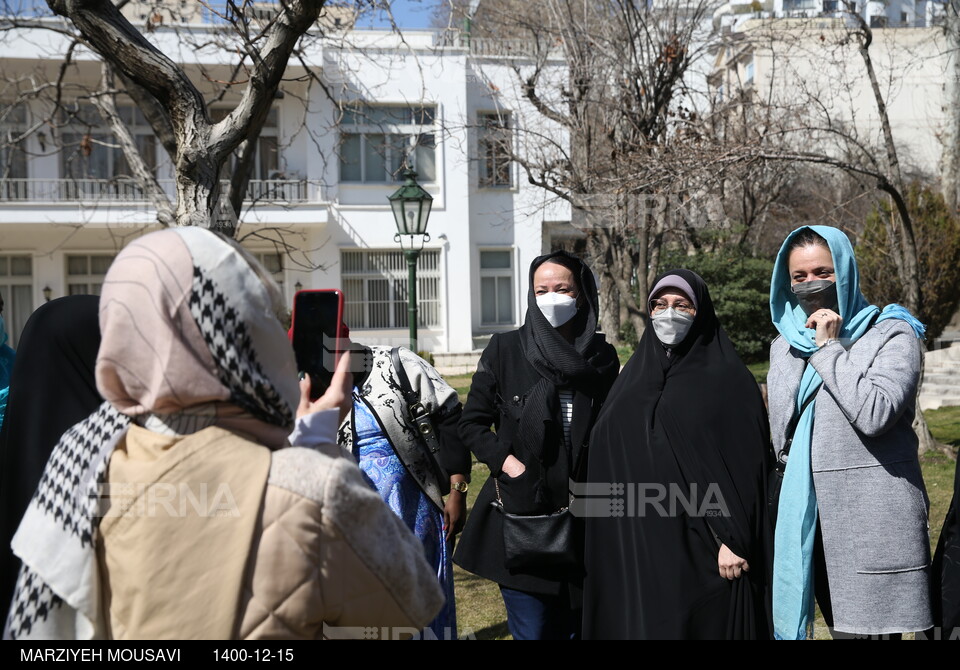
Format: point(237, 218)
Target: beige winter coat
point(314, 553)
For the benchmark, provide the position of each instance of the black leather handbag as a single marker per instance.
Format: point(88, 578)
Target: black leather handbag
point(537, 540)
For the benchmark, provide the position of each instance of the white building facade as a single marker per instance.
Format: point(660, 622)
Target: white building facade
point(317, 213)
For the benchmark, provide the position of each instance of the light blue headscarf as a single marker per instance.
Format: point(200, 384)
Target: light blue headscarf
point(6, 367)
point(793, 594)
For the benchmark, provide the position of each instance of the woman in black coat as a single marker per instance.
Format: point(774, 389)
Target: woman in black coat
point(541, 387)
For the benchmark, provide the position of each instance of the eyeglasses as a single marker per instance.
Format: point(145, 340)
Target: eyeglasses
point(658, 306)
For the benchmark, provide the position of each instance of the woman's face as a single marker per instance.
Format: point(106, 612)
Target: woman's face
point(554, 278)
point(671, 297)
point(810, 262)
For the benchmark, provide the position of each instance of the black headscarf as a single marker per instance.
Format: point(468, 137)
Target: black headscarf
point(586, 366)
point(52, 388)
point(693, 418)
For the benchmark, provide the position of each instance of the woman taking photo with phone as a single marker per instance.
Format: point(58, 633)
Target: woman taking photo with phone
point(852, 518)
point(178, 509)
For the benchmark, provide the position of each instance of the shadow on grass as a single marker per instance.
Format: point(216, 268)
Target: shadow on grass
point(497, 631)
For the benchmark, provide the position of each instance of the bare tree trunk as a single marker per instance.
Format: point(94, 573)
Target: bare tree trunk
point(901, 236)
point(610, 310)
point(951, 140)
point(200, 147)
point(924, 437)
point(106, 104)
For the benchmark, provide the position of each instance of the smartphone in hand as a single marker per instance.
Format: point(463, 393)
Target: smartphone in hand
point(317, 315)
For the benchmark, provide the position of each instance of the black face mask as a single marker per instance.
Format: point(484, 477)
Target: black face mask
point(816, 294)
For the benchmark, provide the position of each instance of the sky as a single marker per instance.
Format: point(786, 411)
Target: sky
point(410, 14)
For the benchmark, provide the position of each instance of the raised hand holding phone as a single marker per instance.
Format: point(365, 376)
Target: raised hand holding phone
point(337, 396)
point(317, 315)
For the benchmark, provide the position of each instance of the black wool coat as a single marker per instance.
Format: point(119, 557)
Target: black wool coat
point(498, 392)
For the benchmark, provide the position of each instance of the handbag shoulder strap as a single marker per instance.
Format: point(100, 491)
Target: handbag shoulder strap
point(795, 421)
point(416, 410)
point(406, 389)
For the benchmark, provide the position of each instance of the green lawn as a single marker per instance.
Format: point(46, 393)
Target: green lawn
point(480, 609)
point(945, 425)
point(759, 371)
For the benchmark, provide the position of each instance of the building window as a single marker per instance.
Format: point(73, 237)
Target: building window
point(496, 288)
point(748, 73)
point(375, 288)
point(85, 273)
point(495, 148)
point(272, 262)
point(89, 150)
point(13, 158)
point(377, 142)
point(16, 288)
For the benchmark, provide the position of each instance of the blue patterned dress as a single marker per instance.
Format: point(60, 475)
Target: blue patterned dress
point(384, 471)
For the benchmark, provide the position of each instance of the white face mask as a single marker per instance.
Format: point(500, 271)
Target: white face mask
point(671, 326)
point(557, 308)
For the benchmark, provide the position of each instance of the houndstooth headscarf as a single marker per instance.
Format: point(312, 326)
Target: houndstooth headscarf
point(190, 339)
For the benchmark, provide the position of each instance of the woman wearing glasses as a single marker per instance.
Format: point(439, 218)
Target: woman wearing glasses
point(682, 442)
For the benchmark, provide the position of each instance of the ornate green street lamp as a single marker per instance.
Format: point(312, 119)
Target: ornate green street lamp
point(411, 209)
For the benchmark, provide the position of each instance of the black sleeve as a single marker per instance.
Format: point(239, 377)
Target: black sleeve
point(454, 457)
point(481, 412)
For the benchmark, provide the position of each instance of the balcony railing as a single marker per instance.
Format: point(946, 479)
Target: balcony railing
point(266, 191)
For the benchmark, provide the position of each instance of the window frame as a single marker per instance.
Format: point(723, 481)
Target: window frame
point(8, 128)
point(411, 133)
point(87, 279)
point(87, 121)
point(497, 274)
point(11, 306)
point(280, 276)
point(484, 132)
point(429, 301)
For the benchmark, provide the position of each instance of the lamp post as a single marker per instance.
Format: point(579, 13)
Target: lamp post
point(411, 208)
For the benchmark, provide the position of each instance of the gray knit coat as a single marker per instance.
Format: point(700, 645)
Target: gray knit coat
point(870, 494)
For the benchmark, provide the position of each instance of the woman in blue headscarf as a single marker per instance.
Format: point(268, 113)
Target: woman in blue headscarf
point(6, 365)
point(852, 518)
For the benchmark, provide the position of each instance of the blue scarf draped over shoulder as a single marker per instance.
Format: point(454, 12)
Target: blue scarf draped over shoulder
point(793, 590)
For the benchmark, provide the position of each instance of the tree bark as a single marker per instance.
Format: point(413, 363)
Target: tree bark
point(951, 140)
point(201, 148)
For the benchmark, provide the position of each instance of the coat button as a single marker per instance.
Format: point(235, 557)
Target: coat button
point(516, 398)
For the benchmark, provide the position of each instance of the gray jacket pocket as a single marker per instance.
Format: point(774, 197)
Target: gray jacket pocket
point(889, 518)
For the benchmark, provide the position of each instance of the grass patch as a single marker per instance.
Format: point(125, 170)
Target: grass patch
point(760, 371)
point(624, 353)
point(944, 424)
point(480, 610)
point(461, 384)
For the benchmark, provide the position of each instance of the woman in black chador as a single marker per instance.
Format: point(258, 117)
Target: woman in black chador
point(685, 431)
